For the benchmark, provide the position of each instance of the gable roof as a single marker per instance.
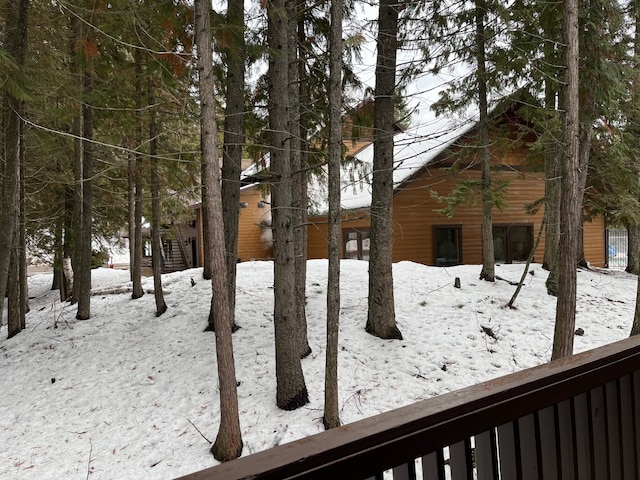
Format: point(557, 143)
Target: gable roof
point(414, 150)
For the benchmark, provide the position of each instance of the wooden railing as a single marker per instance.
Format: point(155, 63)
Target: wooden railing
point(576, 418)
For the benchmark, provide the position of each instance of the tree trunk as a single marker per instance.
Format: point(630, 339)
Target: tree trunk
point(14, 324)
point(298, 177)
point(381, 320)
point(85, 257)
point(633, 231)
point(291, 390)
point(15, 40)
point(488, 257)
point(22, 236)
point(233, 142)
point(131, 183)
point(136, 268)
point(156, 242)
point(633, 249)
point(228, 443)
point(551, 159)
point(331, 418)
point(76, 219)
point(552, 214)
point(570, 209)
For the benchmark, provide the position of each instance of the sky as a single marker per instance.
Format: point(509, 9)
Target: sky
point(127, 395)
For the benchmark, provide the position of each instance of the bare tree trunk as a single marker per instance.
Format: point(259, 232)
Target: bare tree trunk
point(381, 320)
point(233, 142)
point(84, 271)
point(570, 209)
point(302, 188)
point(291, 390)
point(14, 324)
point(633, 249)
point(22, 236)
point(331, 418)
point(16, 46)
point(156, 243)
point(488, 257)
point(76, 218)
point(228, 443)
point(551, 161)
point(136, 267)
point(298, 177)
point(131, 183)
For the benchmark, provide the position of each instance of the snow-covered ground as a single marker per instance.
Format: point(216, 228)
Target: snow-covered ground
point(126, 395)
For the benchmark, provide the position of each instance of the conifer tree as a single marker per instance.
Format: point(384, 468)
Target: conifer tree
point(381, 319)
point(291, 390)
point(228, 443)
point(16, 41)
point(331, 417)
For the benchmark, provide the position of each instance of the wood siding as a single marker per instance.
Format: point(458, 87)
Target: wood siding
point(254, 232)
point(415, 213)
point(254, 235)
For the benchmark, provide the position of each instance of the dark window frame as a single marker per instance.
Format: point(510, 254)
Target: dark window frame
point(509, 242)
point(361, 232)
point(456, 227)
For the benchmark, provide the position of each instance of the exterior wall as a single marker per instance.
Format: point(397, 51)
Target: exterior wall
point(254, 238)
point(415, 215)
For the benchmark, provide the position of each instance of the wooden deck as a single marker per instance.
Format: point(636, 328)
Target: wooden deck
point(576, 418)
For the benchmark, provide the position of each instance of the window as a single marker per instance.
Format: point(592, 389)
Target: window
point(355, 243)
point(447, 245)
point(512, 244)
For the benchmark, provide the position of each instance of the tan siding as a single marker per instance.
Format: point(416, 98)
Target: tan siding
point(251, 244)
point(415, 214)
point(317, 243)
point(594, 242)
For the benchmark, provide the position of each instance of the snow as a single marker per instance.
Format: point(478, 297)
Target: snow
point(125, 394)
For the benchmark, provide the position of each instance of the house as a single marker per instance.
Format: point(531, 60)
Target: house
point(429, 167)
point(254, 227)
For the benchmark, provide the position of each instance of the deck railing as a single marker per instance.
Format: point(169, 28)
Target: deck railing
point(576, 418)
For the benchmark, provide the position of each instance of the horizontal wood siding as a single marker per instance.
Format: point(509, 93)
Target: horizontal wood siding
point(252, 245)
point(415, 212)
point(317, 236)
point(594, 242)
point(254, 239)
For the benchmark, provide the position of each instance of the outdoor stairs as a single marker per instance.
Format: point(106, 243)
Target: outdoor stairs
point(173, 259)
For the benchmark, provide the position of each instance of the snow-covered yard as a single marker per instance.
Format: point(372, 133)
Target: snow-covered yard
point(127, 395)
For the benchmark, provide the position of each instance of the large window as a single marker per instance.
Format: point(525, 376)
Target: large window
point(512, 243)
point(447, 245)
point(355, 243)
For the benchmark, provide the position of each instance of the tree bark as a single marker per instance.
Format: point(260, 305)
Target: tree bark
point(22, 236)
point(156, 242)
point(233, 142)
point(633, 249)
point(136, 268)
point(75, 235)
point(331, 418)
point(85, 256)
point(570, 209)
point(131, 184)
point(381, 320)
point(16, 46)
point(298, 175)
point(552, 162)
point(14, 324)
point(488, 257)
point(228, 443)
point(291, 390)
